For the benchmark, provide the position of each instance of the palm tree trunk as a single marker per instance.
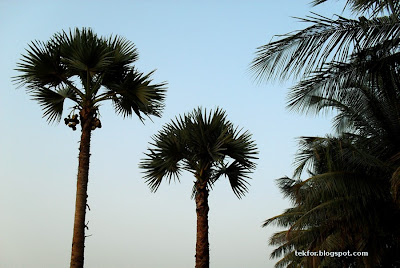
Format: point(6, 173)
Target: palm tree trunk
point(202, 246)
point(78, 240)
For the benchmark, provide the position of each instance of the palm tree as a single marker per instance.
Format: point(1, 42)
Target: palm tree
point(208, 146)
point(52, 72)
point(345, 205)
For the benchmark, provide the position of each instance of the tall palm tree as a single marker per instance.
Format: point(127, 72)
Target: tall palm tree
point(87, 70)
point(208, 146)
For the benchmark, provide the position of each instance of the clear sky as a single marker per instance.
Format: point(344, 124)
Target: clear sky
point(203, 50)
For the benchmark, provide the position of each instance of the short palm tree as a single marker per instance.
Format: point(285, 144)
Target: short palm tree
point(208, 146)
point(87, 70)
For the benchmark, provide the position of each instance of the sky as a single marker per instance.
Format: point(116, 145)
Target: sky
point(203, 50)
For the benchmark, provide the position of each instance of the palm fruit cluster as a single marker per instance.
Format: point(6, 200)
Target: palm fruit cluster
point(72, 121)
point(96, 123)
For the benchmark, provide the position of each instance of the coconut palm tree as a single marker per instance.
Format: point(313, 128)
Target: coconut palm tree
point(208, 146)
point(87, 70)
point(345, 205)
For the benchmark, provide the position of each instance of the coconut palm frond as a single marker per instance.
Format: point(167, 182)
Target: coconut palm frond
point(372, 6)
point(304, 51)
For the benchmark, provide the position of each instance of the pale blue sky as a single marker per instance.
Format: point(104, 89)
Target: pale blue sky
point(203, 50)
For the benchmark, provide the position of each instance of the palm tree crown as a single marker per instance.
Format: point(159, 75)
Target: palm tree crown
point(206, 145)
point(51, 71)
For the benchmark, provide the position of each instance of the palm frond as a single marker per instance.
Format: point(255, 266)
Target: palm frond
point(84, 52)
point(136, 94)
point(124, 51)
point(304, 51)
point(237, 175)
point(372, 6)
point(163, 161)
point(285, 219)
point(41, 66)
point(123, 54)
point(242, 149)
point(52, 101)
